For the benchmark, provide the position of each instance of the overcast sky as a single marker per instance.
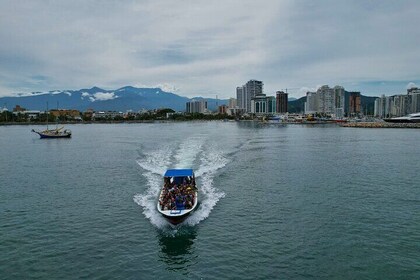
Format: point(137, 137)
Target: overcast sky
point(209, 47)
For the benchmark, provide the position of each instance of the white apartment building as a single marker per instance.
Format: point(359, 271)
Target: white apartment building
point(245, 93)
point(398, 105)
point(311, 104)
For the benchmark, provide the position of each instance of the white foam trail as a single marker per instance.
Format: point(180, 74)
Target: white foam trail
point(148, 202)
point(187, 152)
point(156, 161)
point(154, 164)
point(212, 161)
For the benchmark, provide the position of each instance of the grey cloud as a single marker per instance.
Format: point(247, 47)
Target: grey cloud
point(205, 46)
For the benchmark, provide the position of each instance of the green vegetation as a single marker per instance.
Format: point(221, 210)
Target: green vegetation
point(165, 114)
point(7, 116)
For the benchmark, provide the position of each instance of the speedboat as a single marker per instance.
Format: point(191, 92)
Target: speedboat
point(411, 118)
point(179, 195)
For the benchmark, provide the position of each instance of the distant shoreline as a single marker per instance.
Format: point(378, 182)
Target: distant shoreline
point(347, 125)
point(104, 122)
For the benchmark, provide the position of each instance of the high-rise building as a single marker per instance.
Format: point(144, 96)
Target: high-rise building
point(397, 105)
point(232, 103)
point(415, 103)
point(380, 107)
point(245, 93)
point(311, 104)
point(413, 90)
point(401, 105)
point(333, 101)
point(355, 103)
point(326, 100)
point(388, 106)
point(240, 97)
point(196, 106)
point(339, 101)
point(271, 102)
point(252, 89)
point(377, 109)
point(321, 101)
point(281, 102)
point(414, 94)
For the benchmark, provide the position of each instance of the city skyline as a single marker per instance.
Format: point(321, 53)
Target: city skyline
point(183, 48)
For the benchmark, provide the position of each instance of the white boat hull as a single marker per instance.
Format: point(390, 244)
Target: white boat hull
point(177, 216)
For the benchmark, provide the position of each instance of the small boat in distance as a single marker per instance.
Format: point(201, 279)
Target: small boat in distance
point(53, 133)
point(179, 195)
point(411, 118)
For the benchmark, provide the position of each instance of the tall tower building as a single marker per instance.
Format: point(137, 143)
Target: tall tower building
point(414, 96)
point(413, 90)
point(252, 89)
point(196, 106)
point(281, 102)
point(325, 96)
point(245, 93)
point(415, 103)
point(240, 97)
point(355, 102)
point(339, 101)
point(311, 104)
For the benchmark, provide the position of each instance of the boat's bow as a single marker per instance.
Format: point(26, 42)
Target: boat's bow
point(176, 216)
point(179, 195)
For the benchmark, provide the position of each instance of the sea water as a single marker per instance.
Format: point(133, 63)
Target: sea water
point(276, 201)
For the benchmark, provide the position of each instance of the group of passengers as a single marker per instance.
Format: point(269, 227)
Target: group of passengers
point(178, 196)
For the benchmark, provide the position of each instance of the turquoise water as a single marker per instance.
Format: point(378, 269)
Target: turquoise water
point(284, 202)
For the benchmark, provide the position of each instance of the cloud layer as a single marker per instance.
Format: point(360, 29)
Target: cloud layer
point(208, 47)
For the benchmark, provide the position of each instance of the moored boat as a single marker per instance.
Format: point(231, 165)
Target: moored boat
point(340, 120)
point(54, 133)
point(179, 195)
point(411, 118)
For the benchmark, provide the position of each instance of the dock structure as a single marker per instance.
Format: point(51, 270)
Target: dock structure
point(380, 125)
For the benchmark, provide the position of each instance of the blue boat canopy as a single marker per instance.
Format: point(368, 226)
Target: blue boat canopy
point(179, 173)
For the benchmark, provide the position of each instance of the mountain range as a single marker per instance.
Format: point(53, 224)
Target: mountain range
point(122, 99)
point(129, 98)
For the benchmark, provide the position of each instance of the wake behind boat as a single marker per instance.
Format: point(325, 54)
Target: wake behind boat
point(179, 195)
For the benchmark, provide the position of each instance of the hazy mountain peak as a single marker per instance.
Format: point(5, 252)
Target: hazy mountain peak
point(92, 90)
point(127, 88)
point(124, 98)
